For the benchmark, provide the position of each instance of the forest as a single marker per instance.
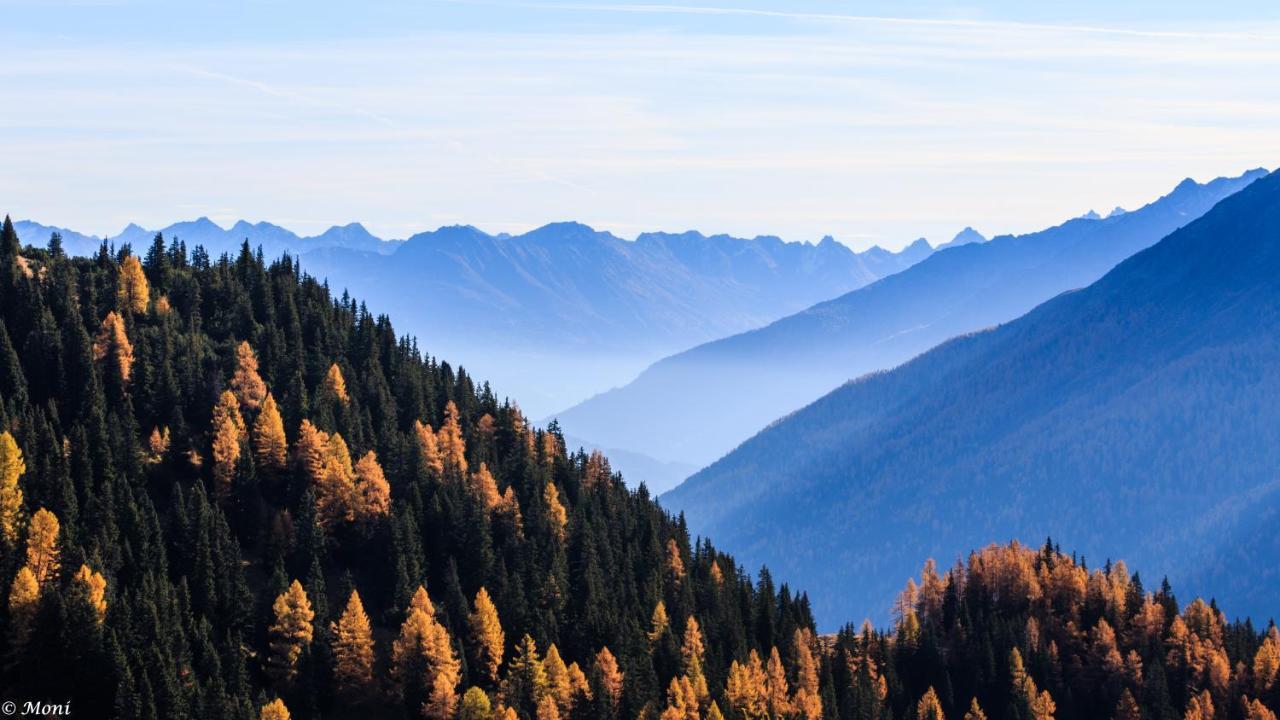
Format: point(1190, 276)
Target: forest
point(226, 492)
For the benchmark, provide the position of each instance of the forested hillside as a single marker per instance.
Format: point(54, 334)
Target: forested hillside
point(1135, 417)
point(226, 494)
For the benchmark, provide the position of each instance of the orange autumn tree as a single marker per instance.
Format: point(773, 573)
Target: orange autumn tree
point(929, 708)
point(94, 586)
point(24, 599)
point(270, 449)
point(423, 662)
point(111, 344)
point(228, 430)
point(290, 634)
point(12, 468)
point(373, 494)
point(43, 551)
point(745, 691)
point(429, 450)
point(487, 639)
point(274, 710)
point(611, 677)
point(335, 386)
point(246, 383)
point(453, 449)
point(353, 650)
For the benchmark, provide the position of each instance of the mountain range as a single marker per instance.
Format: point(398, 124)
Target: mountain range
point(558, 313)
point(695, 406)
point(1138, 416)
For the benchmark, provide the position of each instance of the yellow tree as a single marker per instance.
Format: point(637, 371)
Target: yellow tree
point(1200, 707)
point(555, 510)
point(775, 685)
point(246, 383)
point(422, 659)
point(353, 650)
point(453, 450)
point(975, 711)
point(675, 564)
point(132, 291)
point(808, 698)
point(335, 386)
point(475, 705)
point(485, 488)
point(658, 622)
point(611, 678)
point(11, 468)
point(559, 686)
point(430, 449)
point(929, 708)
point(311, 451)
point(692, 655)
point(745, 688)
point(228, 430)
point(1127, 708)
point(547, 709)
point(43, 553)
point(336, 485)
point(274, 710)
point(1266, 662)
point(24, 599)
point(487, 638)
point(95, 588)
point(526, 683)
point(1255, 710)
point(290, 634)
point(373, 494)
point(270, 449)
point(112, 342)
point(1039, 704)
point(682, 701)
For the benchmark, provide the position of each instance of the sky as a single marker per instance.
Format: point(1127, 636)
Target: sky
point(874, 122)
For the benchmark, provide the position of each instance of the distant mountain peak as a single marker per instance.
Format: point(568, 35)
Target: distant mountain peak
point(966, 236)
point(1117, 211)
point(1093, 215)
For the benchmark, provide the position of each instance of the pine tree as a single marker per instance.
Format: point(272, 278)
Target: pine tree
point(487, 639)
point(228, 430)
point(11, 468)
point(24, 599)
point(290, 635)
point(132, 292)
point(43, 550)
point(270, 449)
point(526, 683)
point(95, 589)
point(353, 650)
point(274, 710)
point(246, 383)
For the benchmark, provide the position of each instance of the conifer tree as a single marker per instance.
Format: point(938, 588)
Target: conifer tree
point(611, 678)
point(485, 488)
point(1031, 702)
point(547, 709)
point(24, 599)
point(658, 622)
point(556, 513)
point(975, 711)
point(1200, 707)
point(929, 708)
point(453, 450)
point(487, 639)
point(336, 484)
point(112, 344)
point(11, 468)
point(335, 386)
point(274, 710)
point(775, 686)
point(429, 448)
point(228, 430)
point(808, 696)
point(372, 491)
point(692, 656)
point(423, 660)
point(95, 588)
point(475, 705)
point(270, 449)
point(43, 550)
point(353, 650)
point(526, 683)
point(1266, 662)
point(311, 451)
point(290, 635)
point(558, 685)
point(745, 691)
point(1127, 707)
point(132, 292)
point(246, 383)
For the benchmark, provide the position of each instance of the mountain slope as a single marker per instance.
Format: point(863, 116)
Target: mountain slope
point(697, 405)
point(1138, 416)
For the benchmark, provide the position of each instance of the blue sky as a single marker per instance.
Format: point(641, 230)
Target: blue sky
point(875, 122)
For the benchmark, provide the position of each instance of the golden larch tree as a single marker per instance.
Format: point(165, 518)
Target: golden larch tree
point(692, 655)
point(1127, 708)
point(487, 639)
point(485, 488)
point(228, 430)
point(579, 686)
point(1200, 707)
point(717, 575)
point(475, 705)
point(808, 696)
point(270, 448)
point(43, 551)
point(558, 685)
point(929, 708)
point(556, 513)
point(373, 494)
point(246, 383)
point(290, 634)
point(975, 711)
point(658, 622)
point(353, 650)
point(713, 712)
point(24, 599)
point(1266, 662)
point(744, 690)
point(274, 710)
point(336, 485)
point(95, 589)
point(429, 448)
point(547, 709)
point(1255, 710)
point(775, 685)
point(157, 444)
point(311, 451)
point(335, 386)
point(611, 678)
point(675, 563)
point(132, 291)
point(1040, 704)
point(423, 655)
point(112, 343)
point(682, 703)
point(453, 449)
point(12, 467)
